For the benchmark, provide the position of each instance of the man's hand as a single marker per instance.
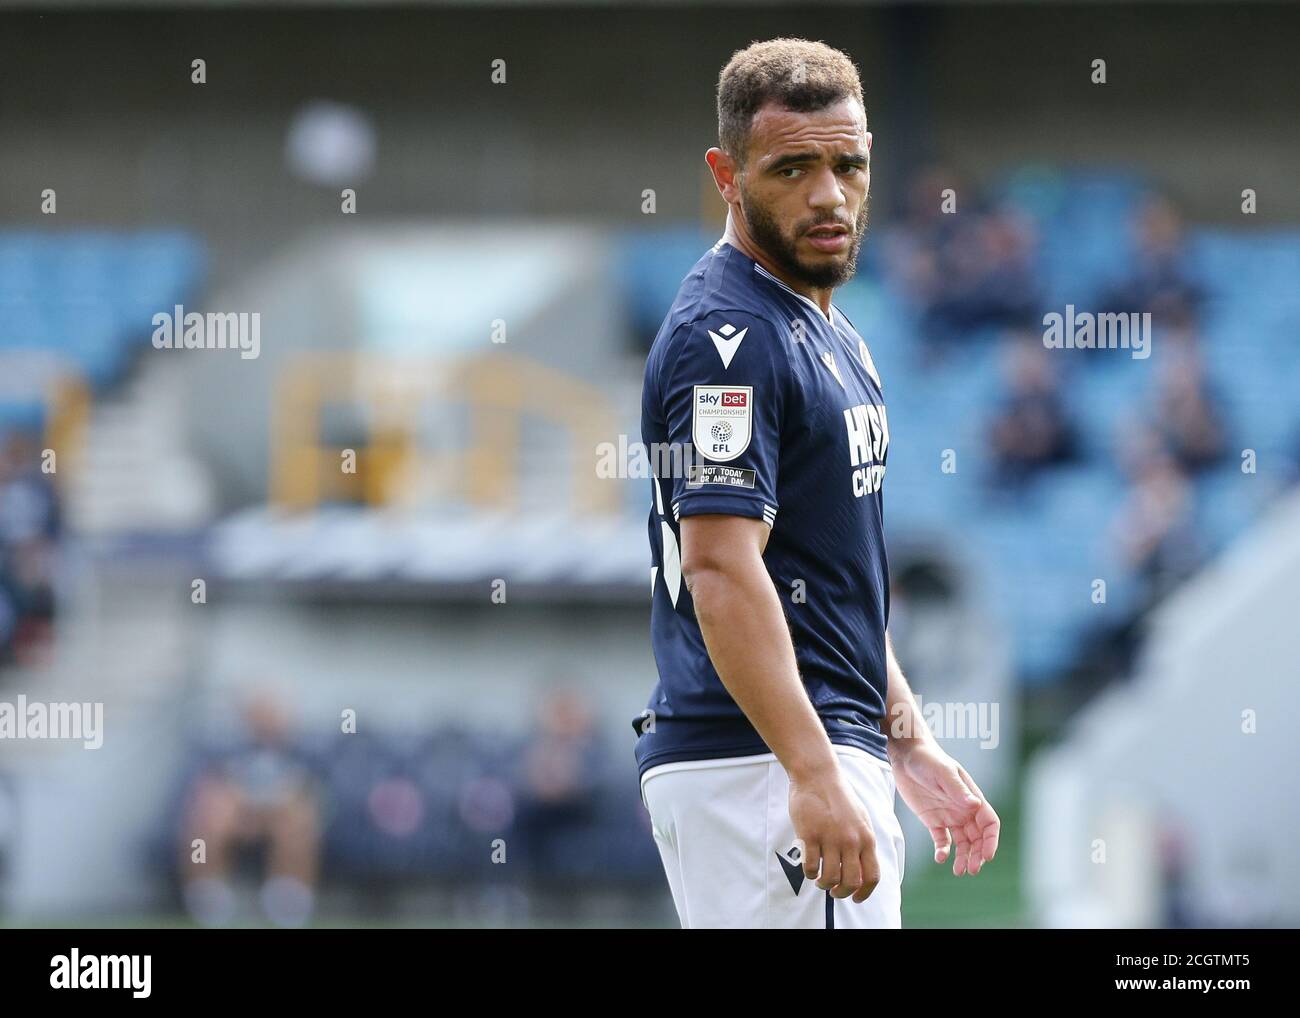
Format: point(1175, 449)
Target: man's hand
point(836, 833)
point(946, 799)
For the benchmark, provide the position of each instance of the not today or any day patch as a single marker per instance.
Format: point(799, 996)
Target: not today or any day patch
point(700, 474)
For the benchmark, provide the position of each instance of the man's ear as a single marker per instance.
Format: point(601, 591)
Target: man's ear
point(868, 143)
point(724, 171)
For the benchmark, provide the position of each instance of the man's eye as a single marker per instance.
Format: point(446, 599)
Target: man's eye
point(788, 172)
point(850, 168)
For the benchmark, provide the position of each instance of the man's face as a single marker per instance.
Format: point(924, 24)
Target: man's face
point(803, 189)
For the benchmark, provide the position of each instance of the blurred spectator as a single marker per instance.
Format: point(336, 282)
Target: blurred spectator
point(1029, 431)
point(1187, 413)
point(564, 762)
point(1153, 529)
point(1161, 277)
point(925, 224)
point(255, 790)
point(29, 530)
point(1157, 543)
point(966, 270)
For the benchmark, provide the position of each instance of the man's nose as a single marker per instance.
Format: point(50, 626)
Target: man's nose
point(827, 190)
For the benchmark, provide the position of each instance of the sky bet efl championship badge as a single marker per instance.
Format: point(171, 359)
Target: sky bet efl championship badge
point(722, 418)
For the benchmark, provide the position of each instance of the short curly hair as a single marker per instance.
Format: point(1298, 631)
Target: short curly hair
point(801, 75)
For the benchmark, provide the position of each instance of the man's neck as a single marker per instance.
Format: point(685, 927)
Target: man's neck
point(821, 296)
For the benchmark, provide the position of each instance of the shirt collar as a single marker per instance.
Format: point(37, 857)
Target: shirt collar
point(794, 293)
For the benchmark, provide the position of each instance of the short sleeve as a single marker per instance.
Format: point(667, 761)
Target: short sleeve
point(724, 401)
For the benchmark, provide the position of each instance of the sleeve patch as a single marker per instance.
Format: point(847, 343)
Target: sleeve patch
point(700, 474)
point(722, 421)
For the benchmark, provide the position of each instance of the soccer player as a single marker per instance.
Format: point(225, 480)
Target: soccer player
point(766, 759)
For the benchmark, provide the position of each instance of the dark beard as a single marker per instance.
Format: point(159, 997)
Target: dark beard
point(767, 234)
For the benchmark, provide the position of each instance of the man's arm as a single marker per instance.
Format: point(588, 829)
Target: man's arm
point(904, 724)
point(935, 786)
point(748, 640)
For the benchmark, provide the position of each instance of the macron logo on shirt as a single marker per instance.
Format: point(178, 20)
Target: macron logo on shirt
point(828, 359)
point(727, 343)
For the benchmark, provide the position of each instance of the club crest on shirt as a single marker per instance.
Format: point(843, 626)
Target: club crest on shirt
point(722, 420)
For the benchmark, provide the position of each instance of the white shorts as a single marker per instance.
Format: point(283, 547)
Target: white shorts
point(724, 832)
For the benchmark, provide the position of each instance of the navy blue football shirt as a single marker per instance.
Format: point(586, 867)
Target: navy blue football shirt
point(785, 416)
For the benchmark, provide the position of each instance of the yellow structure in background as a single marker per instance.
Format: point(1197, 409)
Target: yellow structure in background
point(497, 395)
point(68, 414)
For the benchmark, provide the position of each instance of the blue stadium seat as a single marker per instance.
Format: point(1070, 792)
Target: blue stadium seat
point(91, 295)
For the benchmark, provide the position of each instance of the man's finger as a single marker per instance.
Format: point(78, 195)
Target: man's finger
point(975, 858)
point(850, 877)
point(812, 859)
point(942, 842)
point(870, 873)
point(831, 865)
point(990, 830)
point(961, 852)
